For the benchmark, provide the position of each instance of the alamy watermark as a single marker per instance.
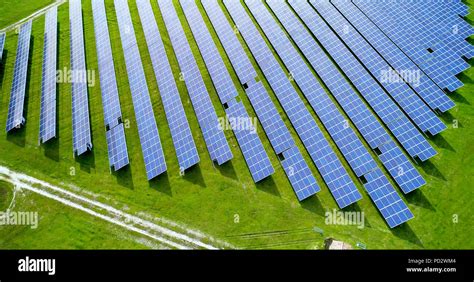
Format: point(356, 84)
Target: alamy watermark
point(412, 77)
point(238, 124)
point(66, 75)
point(345, 218)
point(19, 218)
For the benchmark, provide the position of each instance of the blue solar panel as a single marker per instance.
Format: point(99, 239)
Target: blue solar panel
point(48, 83)
point(394, 27)
point(2, 44)
point(386, 109)
point(427, 89)
point(15, 117)
point(423, 117)
point(271, 121)
point(80, 106)
point(250, 144)
point(180, 132)
point(335, 175)
point(147, 129)
point(116, 142)
point(364, 120)
point(216, 142)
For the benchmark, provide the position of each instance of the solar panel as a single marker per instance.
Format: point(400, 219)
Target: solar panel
point(250, 144)
point(216, 142)
point(427, 89)
point(2, 44)
point(334, 174)
point(116, 142)
point(271, 121)
point(401, 127)
point(429, 62)
point(80, 106)
point(180, 132)
point(15, 117)
point(48, 83)
point(423, 117)
point(363, 119)
point(147, 129)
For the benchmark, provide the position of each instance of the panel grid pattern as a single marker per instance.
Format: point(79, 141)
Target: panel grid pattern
point(180, 131)
point(147, 129)
point(216, 142)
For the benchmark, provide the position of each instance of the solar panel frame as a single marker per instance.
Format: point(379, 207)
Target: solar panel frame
point(152, 149)
point(214, 137)
point(48, 83)
point(330, 167)
point(15, 118)
point(250, 144)
point(82, 141)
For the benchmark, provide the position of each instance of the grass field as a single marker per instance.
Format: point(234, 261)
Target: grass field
point(13, 11)
point(220, 201)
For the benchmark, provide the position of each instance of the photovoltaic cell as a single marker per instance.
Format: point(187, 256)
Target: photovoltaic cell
point(401, 127)
point(80, 106)
point(48, 83)
point(364, 120)
point(147, 129)
point(15, 117)
point(418, 111)
point(334, 174)
point(116, 142)
point(250, 144)
point(427, 89)
point(216, 142)
point(180, 132)
point(271, 121)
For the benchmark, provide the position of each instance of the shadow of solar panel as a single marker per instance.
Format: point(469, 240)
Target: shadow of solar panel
point(250, 144)
point(15, 117)
point(216, 142)
point(180, 132)
point(147, 129)
point(117, 147)
point(334, 174)
point(418, 111)
point(80, 106)
point(48, 83)
point(428, 91)
point(394, 27)
point(401, 127)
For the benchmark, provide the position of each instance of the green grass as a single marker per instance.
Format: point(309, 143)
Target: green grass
point(13, 11)
point(209, 198)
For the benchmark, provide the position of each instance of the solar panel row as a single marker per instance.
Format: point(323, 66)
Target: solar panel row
point(363, 119)
point(116, 143)
point(418, 111)
point(334, 174)
point(147, 129)
point(394, 27)
point(48, 83)
point(82, 141)
point(250, 144)
point(304, 184)
point(15, 117)
point(402, 128)
point(216, 142)
point(180, 132)
point(2, 44)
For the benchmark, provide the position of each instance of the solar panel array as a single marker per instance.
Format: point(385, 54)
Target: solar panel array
point(81, 130)
point(364, 67)
point(48, 83)
point(15, 117)
point(330, 167)
point(363, 119)
point(250, 144)
point(214, 137)
point(147, 129)
point(116, 143)
point(303, 182)
point(2, 44)
point(180, 132)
